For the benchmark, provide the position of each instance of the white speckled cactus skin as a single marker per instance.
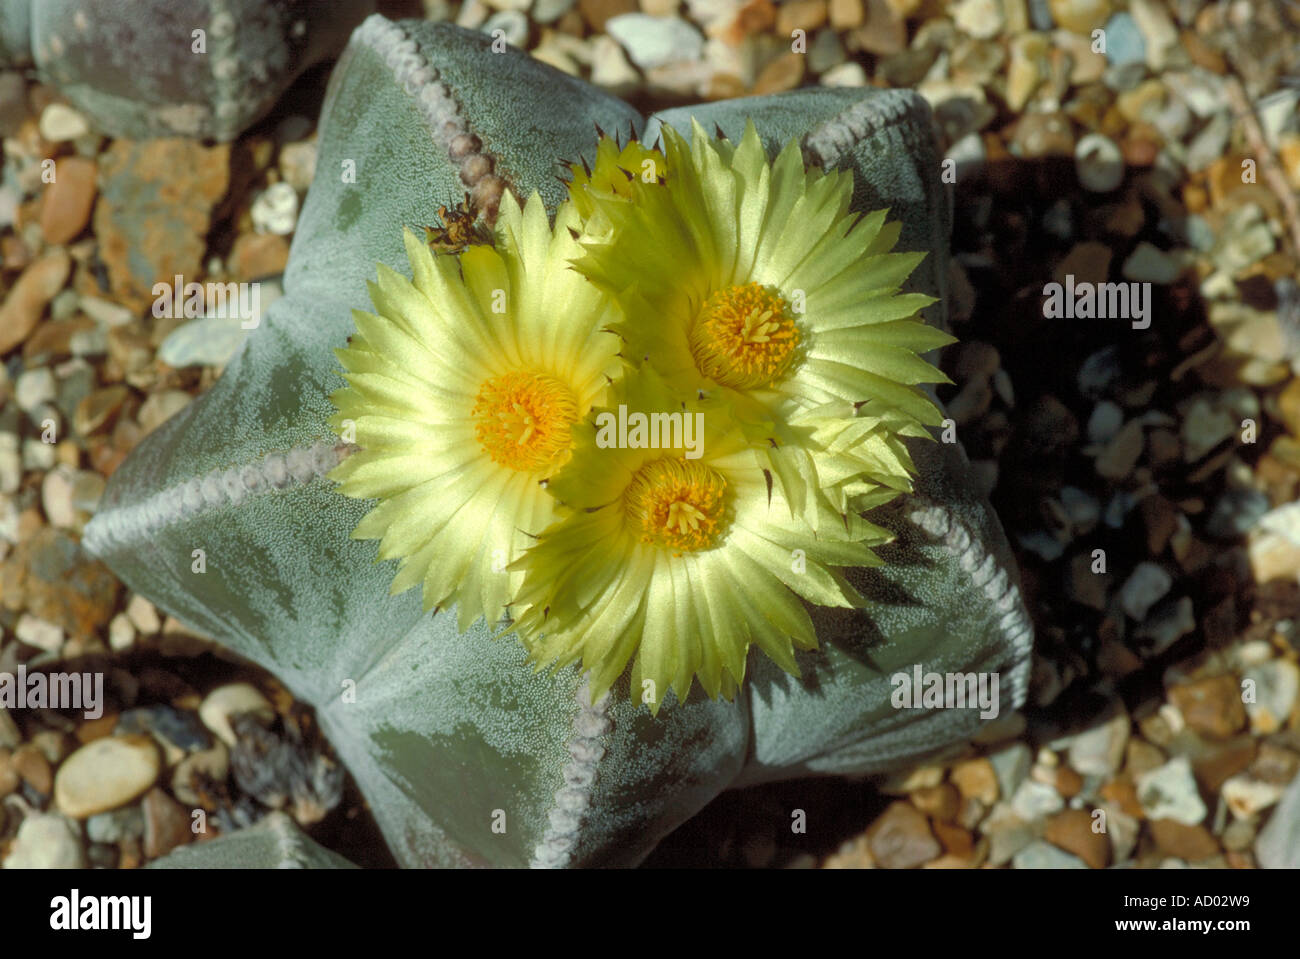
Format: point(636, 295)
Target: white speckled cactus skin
point(446, 729)
point(132, 68)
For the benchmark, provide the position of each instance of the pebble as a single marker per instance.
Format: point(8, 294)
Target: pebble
point(27, 299)
point(60, 123)
point(1145, 586)
point(783, 73)
point(1169, 792)
point(1011, 766)
point(37, 632)
point(901, 838)
point(1278, 844)
point(166, 824)
point(1124, 43)
point(1211, 706)
point(56, 499)
point(197, 768)
point(34, 388)
point(1007, 833)
point(548, 11)
point(154, 213)
point(1157, 30)
point(656, 41)
point(275, 210)
point(176, 731)
point(1248, 796)
point(9, 778)
point(65, 211)
point(96, 409)
point(1167, 624)
point(1276, 684)
point(46, 841)
point(976, 779)
point(1024, 73)
point(1098, 163)
point(805, 15)
point(849, 74)
point(1043, 855)
point(1121, 454)
point(33, 768)
point(143, 615)
point(105, 774)
point(1035, 800)
point(1039, 135)
point(1072, 831)
point(846, 15)
point(1100, 750)
point(1191, 843)
point(1149, 264)
point(121, 634)
point(115, 826)
point(226, 701)
point(1209, 145)
point(1078, 16)
point(105, 313)
point(825, 51)
point(1105, 421)
point(159, 407)
point(982, 19)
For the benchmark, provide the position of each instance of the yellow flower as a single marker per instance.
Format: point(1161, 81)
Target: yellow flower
point(464, 386)
point(751, 281)
point(677, 554)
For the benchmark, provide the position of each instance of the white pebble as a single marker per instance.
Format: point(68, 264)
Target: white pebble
point(276, 210)
point(59, 122)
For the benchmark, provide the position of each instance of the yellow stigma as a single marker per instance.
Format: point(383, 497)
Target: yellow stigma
point(744, 337)
point(523, 420)
point(677, 504)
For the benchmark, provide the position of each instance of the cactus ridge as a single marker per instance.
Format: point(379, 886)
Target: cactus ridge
point(440, 110)
point(990, 577)
point(214, 490)
point(571, 800)
point(224, 59)
point(833, 140)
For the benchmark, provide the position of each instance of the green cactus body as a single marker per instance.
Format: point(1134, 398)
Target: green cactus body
point(466, 754)
point(151, 68)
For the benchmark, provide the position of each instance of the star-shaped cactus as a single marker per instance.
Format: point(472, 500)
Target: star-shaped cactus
point(466, 753)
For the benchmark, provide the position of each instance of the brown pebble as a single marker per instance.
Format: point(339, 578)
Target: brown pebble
point(597, 12)
point(65, 211)
point(940, 802)
point(901, 838)
point(1214, 769)
point(26, 302)
point(955, 840)
point(1211, 706)
point(93, 729)
point(9, 778)
point(97, 408)
point(166, 824)
point(30, 763)
point(1122, 793)
point(806, 15)
point(1068, 782)
point(1191, 843)
point(255, 255)
point(1072, 830)
point(975, 779)
point(783, 73)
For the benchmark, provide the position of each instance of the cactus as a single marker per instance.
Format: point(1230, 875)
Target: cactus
point(156, 68)
point(467, 755)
